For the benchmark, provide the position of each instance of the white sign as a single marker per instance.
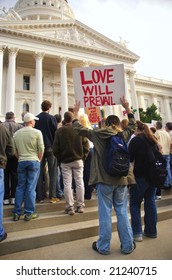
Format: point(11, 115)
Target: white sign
point(97, 86)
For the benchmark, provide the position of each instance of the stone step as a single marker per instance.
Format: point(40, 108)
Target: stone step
point(56, 216)
point(39, 237)
point(49, 207)
point(49, 219)
point(60, 206)
point(53, 226)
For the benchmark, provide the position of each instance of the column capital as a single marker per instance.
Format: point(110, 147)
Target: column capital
point(131, 73)
point(64, 59)
point(39, 55)
point(13, 51)
point(2, 48)
point(86, 63)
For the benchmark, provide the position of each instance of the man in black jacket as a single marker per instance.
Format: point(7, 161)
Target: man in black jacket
point(47, 124)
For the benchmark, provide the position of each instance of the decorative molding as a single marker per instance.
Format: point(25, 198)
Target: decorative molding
point(13, 51)
point(64, 59)
point(39, 55)
point(74, 45)
point(2, 48)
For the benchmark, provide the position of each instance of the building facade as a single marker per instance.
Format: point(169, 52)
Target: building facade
point(41, 42)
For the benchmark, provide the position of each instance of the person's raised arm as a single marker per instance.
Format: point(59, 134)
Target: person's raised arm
point(76, 110)
point(125, 105)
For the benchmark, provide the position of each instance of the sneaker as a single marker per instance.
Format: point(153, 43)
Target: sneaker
point(54, 200)
point(28, 217)
point(150, 235)
point(138, 238)
point(94, 247)
point(6, 202)
point(79, 209)
point(158, 197)
point(129, 252)
point(13, 201)
point(16, 217)
point(69, 211)
point(3, 237)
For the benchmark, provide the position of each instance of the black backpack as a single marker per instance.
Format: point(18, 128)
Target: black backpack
point(116, 159)
point(157, 165)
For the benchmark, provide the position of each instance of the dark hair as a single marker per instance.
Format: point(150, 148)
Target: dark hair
point(58, 118)
point(68, 116)
point(46, 105)
point(124, 123)
point(112, 120)
point(153, 129)
point(9, 115)
point(158, 125)
point(169, 125)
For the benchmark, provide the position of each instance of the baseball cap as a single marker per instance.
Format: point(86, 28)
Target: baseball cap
point(29, 117)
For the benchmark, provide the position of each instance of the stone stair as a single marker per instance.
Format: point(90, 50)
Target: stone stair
point(53, 226)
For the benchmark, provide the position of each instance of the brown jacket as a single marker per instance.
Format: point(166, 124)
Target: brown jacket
point(6, 146)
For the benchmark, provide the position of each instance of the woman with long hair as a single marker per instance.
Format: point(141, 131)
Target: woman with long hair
point(143, 191)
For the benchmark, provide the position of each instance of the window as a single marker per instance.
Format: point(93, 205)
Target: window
point(26, 82)
point(25, 107)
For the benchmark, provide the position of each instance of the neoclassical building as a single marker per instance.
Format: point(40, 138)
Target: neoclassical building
point(41, 42)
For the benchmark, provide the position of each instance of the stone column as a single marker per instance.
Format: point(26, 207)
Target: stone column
point(154, 100)
point(1, 75)
point(11, 76)
point(167, 109)
point(63, 86)
point(133, 94)
point(38, 82)
point(141, 101)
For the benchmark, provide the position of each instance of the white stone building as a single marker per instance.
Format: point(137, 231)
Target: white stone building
point(41, 42)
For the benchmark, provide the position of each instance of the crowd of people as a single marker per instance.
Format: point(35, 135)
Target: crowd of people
point(63, 159)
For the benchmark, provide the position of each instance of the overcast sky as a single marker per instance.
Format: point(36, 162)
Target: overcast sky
point(145, 24)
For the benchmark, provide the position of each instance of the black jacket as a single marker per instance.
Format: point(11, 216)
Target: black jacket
point(48, 125)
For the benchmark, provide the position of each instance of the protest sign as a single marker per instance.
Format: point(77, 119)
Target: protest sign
point(93, 114)
point(98, 86)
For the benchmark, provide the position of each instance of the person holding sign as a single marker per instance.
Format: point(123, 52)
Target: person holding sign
point(112, 191)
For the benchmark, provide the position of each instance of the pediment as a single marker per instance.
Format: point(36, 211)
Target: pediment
point(71, 32)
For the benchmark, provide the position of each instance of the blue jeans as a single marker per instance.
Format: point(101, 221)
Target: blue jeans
point(137, 193)
point(28, 174)
point(168, 180)
point(1, 201)
point(113, 197)
point(59, 184)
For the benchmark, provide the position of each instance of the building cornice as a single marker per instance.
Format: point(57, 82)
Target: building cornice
point(47, 25)
point(152, 82)
point(74, 45)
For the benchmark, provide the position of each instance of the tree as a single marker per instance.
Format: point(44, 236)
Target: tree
point(150, 114)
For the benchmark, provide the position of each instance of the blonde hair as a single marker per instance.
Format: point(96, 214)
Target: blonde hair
point(83, 119)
